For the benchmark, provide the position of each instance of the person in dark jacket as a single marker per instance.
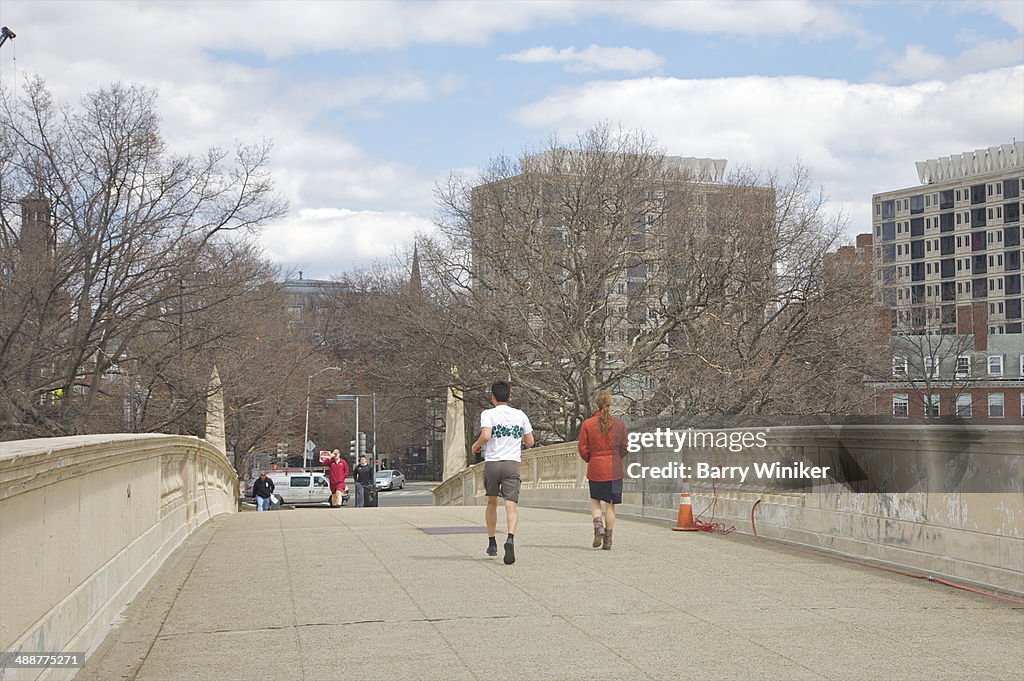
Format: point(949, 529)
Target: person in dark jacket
point(602, 445)
point(363, 478)
point(261, 491)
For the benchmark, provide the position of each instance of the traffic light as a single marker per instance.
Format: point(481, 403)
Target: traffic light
point(352, 447)
point(282, 450)
point(362, 443)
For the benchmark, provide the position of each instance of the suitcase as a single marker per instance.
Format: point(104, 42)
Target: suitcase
point(370, 496)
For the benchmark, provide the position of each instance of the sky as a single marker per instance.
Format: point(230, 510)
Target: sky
point(370, 104)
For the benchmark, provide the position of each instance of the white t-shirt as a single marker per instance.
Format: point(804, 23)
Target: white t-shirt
point(508, 426)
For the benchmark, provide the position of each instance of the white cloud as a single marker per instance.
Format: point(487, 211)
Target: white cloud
point(337, 188)
point(1010, 11)
point(858, 139)
point(805, 18)
point(917, 63)
point(205, 101)
point(325, 241)
point(591, 58)
point(169, 28)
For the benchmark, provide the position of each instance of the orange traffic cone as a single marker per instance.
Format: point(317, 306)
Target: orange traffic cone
point(685, 521)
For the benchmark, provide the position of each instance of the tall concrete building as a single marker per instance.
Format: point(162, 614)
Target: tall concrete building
point(952, 241)
point(947, 264)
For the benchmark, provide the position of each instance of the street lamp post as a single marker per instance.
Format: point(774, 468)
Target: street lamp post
point(305, 434)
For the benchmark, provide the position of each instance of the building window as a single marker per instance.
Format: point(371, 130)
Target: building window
point(995, 405)
point(963, 406)
point(963, 366)
point(900, 406)
point(995, 365)
point(931, 366)
point(899, 366)
point(933, 406)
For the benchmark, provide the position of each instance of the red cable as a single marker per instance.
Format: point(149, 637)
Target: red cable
point(711, 525)
point(752, 525)
point(904, 573)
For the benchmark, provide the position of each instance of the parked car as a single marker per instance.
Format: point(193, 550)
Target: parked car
point(299, 487)
point(389, 479)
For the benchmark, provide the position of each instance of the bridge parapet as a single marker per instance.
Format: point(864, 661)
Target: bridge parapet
point(85, 521)
point(947, 500)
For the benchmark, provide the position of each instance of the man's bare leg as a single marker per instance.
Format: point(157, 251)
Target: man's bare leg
point(512, 520)
point(491, 516)
point(511, 516)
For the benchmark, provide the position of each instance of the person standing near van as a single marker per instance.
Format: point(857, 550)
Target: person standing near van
point(337, 471)
point(602, 444)
point(262, 490)
point(503, 429)
point(362, 476)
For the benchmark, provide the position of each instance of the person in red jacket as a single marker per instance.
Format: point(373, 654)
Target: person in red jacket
point(602, 445)
point(337, 471)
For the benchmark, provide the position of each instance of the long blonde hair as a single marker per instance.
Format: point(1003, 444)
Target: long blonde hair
point(604, 403)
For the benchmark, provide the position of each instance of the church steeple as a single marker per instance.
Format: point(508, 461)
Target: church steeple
point(415, 283)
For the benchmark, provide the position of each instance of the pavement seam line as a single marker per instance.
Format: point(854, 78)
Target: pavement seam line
point(174, 601)
point(295, 606)
point(312, 625)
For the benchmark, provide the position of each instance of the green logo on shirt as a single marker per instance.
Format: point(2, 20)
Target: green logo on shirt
point(502, 430)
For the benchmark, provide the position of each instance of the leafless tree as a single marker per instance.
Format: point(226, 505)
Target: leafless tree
point(605, 263)
point(136, 245)
point(608, 264)
point(803, 343)
point(929, 358)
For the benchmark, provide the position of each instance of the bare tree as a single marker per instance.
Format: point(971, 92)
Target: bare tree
point(606, 263)
point(930, 359)
point(801, 339)
point(131, 226)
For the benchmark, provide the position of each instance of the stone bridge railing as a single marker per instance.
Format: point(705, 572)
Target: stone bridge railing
point(86, 521)
point(949, 500)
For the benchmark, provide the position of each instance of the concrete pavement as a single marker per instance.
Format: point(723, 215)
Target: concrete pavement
point(365, 593)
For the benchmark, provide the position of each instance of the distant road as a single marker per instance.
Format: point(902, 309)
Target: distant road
point(414, 494)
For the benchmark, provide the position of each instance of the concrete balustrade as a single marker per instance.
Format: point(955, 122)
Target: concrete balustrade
point(951, 502)
point(86, 521)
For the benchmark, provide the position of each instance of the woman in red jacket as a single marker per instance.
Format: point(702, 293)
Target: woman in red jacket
point(602, 445)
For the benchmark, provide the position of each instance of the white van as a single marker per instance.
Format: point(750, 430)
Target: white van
point(302, 487)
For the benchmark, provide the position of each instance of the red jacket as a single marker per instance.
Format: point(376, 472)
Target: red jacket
point(337, 472)
point(603, 452)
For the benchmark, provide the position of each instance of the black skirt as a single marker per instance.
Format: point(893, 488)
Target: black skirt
point(608, 490)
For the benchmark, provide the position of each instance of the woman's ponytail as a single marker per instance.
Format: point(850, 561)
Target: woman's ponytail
point(604, 403)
